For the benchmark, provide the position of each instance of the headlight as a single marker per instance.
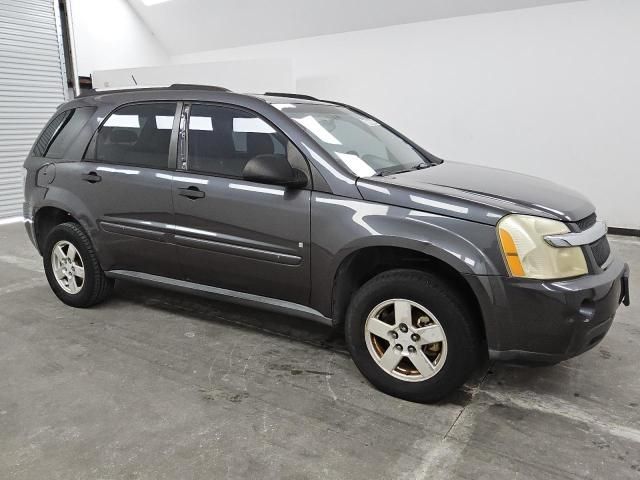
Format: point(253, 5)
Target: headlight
point(521, 238)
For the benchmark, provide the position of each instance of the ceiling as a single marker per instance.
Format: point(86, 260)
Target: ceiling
point(186, 26)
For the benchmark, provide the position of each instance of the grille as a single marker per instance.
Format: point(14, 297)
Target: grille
point(600, 249)
point(586, 222)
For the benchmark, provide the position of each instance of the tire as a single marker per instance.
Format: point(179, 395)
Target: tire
point(435, 310)
point(73, 289)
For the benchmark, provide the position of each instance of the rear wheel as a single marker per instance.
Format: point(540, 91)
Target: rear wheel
point(411, 335)
point(72, 268)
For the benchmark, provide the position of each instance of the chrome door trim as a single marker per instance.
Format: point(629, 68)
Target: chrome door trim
point(137, 232)
point(576, 239)
point(197, 238)
point(240, 250)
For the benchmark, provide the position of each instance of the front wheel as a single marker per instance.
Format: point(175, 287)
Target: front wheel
point(411, 335)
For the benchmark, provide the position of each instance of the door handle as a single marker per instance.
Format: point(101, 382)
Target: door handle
point(91, 177)
point(191, 192)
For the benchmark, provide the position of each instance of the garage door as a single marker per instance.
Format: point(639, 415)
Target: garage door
point(32, 85)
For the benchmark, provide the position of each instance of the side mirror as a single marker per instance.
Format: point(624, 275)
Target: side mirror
point(275, 170)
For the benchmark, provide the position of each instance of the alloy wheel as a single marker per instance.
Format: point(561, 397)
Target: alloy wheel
point(406, 340)
point(68, 266)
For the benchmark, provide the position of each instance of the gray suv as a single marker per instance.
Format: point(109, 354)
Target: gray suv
point(317, 209)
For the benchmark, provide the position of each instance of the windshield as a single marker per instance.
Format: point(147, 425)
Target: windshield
point(364, 146)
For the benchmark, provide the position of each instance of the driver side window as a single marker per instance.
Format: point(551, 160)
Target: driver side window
point(221, 140)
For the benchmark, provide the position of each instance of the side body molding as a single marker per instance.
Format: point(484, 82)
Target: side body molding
point(242, 298)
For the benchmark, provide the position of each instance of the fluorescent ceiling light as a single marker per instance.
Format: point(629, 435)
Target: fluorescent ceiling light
point(164, 122)
point(358, 166)
point(318, 130)
point(124, 121)
point(148, 3)
point(201, 123)
point(281, 106)
point(251, 125)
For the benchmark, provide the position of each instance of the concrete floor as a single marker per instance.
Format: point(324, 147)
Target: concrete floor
point(158, 385)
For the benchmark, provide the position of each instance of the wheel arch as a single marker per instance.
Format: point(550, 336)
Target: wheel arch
point(361, 264)
point(46, 218)
point(52, 213)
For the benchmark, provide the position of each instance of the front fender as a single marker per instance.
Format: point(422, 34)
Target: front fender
point(342, 226)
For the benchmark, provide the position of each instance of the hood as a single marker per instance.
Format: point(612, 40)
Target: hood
point(476, 193)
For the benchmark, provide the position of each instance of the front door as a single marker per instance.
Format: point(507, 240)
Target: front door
point(232, 233)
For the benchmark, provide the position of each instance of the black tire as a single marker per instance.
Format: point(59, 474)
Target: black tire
point(461, 329)
point(96, 287)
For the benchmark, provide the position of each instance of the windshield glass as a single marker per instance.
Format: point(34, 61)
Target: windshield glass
point(361, 144)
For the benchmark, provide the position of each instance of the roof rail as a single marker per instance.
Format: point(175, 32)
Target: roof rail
point(130, 88)
point(291, 95)
point(194, 86)
point(97, 91)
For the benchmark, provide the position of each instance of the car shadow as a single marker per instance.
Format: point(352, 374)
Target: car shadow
point(210, 310)
point(268, 323)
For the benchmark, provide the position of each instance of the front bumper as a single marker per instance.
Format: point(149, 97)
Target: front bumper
point(551, 321)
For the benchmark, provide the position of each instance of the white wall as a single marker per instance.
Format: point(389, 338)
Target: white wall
point(552, 91)
point(240, 76)
point(109, 34)
point(187, 26)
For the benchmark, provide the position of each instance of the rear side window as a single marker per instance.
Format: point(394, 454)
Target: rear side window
point(61, 131)
point(69, 131)
point(48, 133)
point(136, 135)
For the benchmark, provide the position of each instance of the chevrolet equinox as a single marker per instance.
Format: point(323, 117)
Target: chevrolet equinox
point(317, 209)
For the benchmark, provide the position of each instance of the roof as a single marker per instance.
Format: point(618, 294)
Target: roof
point(268, 97)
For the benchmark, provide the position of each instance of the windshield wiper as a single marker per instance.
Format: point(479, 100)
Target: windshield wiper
point(392, 171)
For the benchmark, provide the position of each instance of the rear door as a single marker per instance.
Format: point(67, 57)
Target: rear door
point(231, 233)
point(124, 181)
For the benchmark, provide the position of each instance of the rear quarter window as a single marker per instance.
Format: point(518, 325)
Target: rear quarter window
point(69, 132)
point(61, 131)
point(43, 141)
